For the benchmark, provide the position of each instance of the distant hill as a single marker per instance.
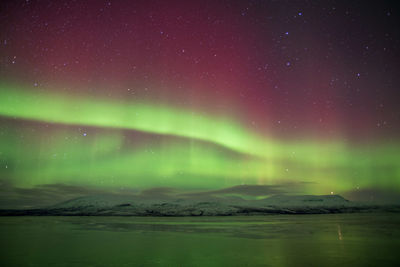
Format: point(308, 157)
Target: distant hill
point(111, 205)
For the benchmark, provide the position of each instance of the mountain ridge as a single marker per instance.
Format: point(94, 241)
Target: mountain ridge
point(111, 205)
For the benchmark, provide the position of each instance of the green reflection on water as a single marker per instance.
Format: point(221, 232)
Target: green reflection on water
point(297, 240)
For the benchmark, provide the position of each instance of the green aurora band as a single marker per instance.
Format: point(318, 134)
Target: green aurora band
point(198, 151)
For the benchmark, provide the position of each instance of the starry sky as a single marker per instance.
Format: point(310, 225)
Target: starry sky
point(199, 95)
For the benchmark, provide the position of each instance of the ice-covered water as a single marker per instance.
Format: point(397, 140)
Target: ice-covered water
point(275, 240)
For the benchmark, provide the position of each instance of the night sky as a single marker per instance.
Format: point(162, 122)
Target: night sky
point(112, 96)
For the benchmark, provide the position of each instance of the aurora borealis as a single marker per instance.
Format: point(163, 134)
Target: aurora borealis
point(199, 95)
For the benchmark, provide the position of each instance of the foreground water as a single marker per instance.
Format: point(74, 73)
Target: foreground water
point(276, 240)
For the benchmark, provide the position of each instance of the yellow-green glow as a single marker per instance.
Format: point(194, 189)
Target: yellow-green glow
point(64, 109)
point(231, 154)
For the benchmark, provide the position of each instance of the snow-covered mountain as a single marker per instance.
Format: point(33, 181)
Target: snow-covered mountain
point(133, 205)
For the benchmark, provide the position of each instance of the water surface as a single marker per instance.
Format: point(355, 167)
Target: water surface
point(275, 240)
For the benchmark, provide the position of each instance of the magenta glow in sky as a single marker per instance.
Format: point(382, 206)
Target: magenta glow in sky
point(287, 71)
